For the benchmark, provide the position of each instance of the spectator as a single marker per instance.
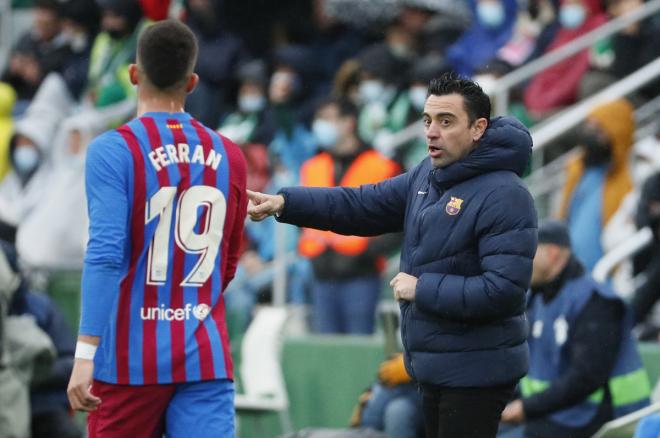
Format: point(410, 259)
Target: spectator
point(535, 27)
point(584, 365)
point(393, 404)
point(49, 405)
point(290, 97)
point(624, 52)
point(347, 282)
point(30, 148)
point(377, 91)
point(557, 86)
point(40, 51)
point(247, 124)
point(408, 107)
point(648, 293)
point(645, 162)
point(14, 391)
point(492, 28)
point(80, 25)
point(598, 179)
point(220, 53)
point(113, 50)
point(7, 100)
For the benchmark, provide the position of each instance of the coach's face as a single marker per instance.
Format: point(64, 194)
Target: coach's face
point(449, 134)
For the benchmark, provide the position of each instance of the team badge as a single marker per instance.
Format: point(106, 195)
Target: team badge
point(201, 311)
point(454, 206)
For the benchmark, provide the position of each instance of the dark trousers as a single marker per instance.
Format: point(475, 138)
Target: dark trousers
point(464, 412)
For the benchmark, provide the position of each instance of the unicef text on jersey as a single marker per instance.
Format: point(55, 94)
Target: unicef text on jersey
point(162, 313)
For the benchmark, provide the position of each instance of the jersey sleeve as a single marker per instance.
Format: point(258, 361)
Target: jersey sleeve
point(106, 183)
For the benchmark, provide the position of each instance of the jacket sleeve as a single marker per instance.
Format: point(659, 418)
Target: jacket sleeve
point(368, 210)
point(506, 237)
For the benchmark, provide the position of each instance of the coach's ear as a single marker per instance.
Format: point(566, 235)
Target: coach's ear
point(193, 80)
point(133, 73)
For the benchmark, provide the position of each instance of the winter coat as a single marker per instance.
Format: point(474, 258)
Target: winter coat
point(469, 238)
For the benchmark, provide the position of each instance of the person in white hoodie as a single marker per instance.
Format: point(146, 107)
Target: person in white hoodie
point(30, 146)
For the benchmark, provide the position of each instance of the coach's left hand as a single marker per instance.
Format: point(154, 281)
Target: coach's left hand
point(404, 286)
point(79, 389)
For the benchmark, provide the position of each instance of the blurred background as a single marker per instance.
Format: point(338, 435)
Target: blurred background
point(288, 80)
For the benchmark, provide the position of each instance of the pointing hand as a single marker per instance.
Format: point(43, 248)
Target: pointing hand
point(262, 205)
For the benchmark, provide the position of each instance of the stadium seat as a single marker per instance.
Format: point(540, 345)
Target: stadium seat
point(264, 390)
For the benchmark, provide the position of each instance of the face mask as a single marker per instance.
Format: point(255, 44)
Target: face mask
point(116, 34)
point(400, 51)
point(251, 103)
point(572, 16)
point(490, 14)
point(596, 151)
point(325, 133)
point(76, 41)
point(371, 91)
point(26, 159)
point(417, 97)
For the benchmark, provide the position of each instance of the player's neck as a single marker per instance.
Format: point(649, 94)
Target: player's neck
point(158, 102)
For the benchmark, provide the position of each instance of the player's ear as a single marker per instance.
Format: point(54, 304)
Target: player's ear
point(193, 80)
point(133, 73)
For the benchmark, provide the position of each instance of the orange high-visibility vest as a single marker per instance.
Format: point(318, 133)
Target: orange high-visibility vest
point(369, 167)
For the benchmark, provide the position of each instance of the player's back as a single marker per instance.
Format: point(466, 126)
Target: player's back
point(186, 199)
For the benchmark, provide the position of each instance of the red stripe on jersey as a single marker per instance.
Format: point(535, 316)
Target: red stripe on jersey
point(204, 292)
point(150, 348)
point(232, 235)
point(178, 327)
point(137, 243)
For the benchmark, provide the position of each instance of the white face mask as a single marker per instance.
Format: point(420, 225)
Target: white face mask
point(417, 95)
point(26, 159)
point(251, 103)
point(572, 16)
point(490, 13)
point(325, 133)
point(371, 91)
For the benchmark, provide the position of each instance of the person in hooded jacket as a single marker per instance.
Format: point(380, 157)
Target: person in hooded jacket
point(469, 237)
point(491, 29)
point(48, 401)
point(598, 180)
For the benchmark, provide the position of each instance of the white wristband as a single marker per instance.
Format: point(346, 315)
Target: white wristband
point(85, 351)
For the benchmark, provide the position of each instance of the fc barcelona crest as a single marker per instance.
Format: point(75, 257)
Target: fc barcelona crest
point(454, 206)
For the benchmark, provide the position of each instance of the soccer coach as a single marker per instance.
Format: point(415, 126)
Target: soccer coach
point(470, 236)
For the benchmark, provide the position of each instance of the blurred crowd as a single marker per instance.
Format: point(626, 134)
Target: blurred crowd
point(315, 92)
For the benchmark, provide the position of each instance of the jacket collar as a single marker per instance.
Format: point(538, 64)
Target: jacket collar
point(506, 145)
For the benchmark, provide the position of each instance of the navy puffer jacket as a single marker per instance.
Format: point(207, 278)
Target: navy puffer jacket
point(469, 238)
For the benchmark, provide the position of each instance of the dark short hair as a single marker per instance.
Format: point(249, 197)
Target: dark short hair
point(167, 52)
point(475, 101)
point(346, 107)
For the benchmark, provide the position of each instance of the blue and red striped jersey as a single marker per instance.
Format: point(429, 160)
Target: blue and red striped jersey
point(166, 202)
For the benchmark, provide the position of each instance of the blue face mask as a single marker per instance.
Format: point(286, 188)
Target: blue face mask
point(572, 16)
point(490, 14)
point(251, 103)
point(26, 159)
point(325, 133)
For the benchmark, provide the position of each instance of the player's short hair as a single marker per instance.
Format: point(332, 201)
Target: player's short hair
point(475, 101)
point(167, 53)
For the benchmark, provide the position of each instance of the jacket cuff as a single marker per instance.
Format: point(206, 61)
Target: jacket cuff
point(426, 291)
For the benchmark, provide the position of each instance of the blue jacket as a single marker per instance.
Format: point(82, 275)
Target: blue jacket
point(469, 238)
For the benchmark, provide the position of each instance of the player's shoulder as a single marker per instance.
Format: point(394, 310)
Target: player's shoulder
point(110, 145)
